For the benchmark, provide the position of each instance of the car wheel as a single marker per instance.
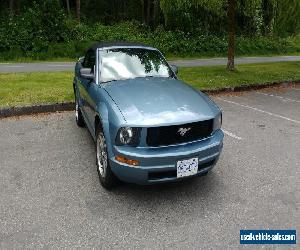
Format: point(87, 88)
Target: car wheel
point(106, 176)
point(78, 114)
point(204, 174)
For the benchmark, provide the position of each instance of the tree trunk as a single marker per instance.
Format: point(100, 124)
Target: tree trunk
point(68, 6)
point(17, 7)
point(114, 10)
point(155, 13)
point(11, 6)
point(148, 12)
point(231, 34)
point(143, 11)
point(78, 10)
point(268, 16)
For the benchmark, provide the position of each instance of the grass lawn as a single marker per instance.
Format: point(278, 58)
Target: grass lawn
point(215, 77)
point(17, 89)
point(201, 56)
point(32, 60)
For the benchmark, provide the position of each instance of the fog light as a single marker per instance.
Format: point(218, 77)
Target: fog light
point(127, 161)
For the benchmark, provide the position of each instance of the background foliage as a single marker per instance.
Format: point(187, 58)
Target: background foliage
point(44, 29)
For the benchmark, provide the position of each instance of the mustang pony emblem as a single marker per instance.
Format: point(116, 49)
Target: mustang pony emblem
point(182, 131)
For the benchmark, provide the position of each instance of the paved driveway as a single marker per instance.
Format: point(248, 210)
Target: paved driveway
point(50, 194)
point(69, 66)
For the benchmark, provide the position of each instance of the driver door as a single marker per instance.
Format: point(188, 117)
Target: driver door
point(85, 86)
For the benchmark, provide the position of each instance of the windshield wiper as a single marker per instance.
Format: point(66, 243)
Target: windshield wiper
point(110, 81)
point(113, 80)
point(151, 76)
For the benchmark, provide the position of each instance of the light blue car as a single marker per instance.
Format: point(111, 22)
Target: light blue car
point(149, 127)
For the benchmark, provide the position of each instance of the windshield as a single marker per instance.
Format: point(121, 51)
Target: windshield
point(129, 63)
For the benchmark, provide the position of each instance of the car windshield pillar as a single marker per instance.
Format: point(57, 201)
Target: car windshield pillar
point(97, 68)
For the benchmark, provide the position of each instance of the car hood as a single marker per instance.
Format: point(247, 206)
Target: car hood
point(160, 101)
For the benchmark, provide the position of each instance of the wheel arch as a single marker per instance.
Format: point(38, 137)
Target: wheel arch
point(101, 121)
point(98, 122)
point(74, 84)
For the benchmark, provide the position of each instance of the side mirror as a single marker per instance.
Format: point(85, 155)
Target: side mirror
point(87, 73)
point(175, 69)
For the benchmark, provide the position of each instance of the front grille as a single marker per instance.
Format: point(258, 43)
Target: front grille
point(168, 135)
point(162, 175)
point(205, 165)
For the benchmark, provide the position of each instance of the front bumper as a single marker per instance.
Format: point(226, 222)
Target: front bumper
point(158, 164)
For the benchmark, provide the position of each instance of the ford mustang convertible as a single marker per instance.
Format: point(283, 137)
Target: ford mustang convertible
point(148, 126)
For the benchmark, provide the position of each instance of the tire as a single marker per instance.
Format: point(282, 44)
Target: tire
point(78, 115)
point(205, 173)
point(107, 178)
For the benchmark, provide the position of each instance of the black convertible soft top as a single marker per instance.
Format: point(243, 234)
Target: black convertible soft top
point(112, 44)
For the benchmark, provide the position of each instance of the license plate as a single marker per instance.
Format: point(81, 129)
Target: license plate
point(187, 167)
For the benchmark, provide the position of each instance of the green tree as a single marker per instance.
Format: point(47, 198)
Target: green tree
point(286, 17)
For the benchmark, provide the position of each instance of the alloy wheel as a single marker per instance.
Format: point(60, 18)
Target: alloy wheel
point(76, 110)
point(101, 154)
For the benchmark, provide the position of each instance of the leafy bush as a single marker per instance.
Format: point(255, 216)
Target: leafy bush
point(43, 23)
point(44, 32)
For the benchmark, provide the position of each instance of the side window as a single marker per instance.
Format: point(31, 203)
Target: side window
point(86, 58)
point(89, 60)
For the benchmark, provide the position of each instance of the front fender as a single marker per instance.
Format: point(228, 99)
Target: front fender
point(110, 121)
point(102, 113)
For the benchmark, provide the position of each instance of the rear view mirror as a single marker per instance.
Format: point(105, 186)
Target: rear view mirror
point(174, 68)
point(87, 73)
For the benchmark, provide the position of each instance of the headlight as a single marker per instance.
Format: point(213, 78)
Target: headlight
point(218, 122)
point(128, 136)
